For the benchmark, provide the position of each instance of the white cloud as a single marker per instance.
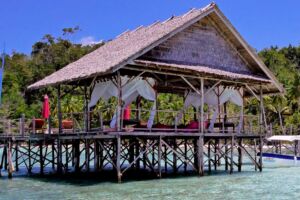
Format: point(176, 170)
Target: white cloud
point(89, 40)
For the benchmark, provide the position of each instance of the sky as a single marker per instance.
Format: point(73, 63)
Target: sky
point(23, 22)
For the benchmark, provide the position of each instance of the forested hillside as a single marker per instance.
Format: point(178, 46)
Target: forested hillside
point(53, 53)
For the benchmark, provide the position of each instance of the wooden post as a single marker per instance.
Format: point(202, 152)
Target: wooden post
point(53, 154)
point(49, 124)
point(137, 153)
point(216, 154)
point(240, 155)
point(255, 153)
point(96, 155)
point(73, 123)
point(41, 158)
point(5, 152)
point(196, 154)
point(67, 158)
point(22, 125)
point(10, 163)
point(4, 158)
point(118, 164)
point(145, 154)
point(209, 156)
point(243, 110)
point(86, 111)
point(119, 108)
point(131, 151)
point(159, 157)
point(59, 114)
point(77, 155)
point(29, 157)
point(33, 126)
point(101, 120)
point(101, 156)
point(260, 153)
point(17, 156)
point(165, 158)
point(231, 154)
point(225, 129)
point(59, 156)
point(226, 154)
point(202, 106)
point(174, 156)
point(87, 155)
point(185, 155)
point(200, 144)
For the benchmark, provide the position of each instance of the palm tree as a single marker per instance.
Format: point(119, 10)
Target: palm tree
point(276, 107)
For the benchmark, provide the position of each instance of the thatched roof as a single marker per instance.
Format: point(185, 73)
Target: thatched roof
point(131, 45)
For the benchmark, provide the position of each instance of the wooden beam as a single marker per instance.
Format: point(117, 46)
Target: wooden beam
point(197, 91)
point(252, 92)
point(212, 88)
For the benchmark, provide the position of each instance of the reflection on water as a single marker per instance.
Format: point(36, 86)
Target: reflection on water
point(272, 183)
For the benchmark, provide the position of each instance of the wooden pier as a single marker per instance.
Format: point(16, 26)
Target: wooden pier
point(159, 153)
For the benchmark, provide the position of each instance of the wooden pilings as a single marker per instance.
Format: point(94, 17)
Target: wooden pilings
point(156, 154)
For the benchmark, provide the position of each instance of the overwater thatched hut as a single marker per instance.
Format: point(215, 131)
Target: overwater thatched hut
point(180, 53)
point(199, 55)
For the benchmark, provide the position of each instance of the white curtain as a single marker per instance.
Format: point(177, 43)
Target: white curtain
point(211, 99)
point(105, 90)
point(130, 91)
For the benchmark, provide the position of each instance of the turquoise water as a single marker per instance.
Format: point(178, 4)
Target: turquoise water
point(272, 183)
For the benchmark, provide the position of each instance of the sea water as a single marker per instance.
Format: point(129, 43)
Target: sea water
point(272, 183)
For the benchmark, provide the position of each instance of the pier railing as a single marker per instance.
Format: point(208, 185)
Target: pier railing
point(98, 121)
